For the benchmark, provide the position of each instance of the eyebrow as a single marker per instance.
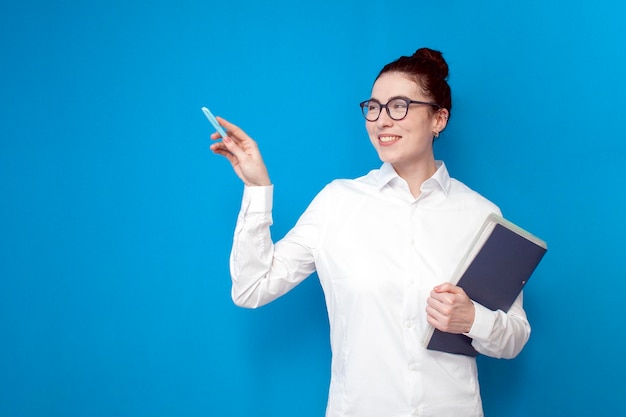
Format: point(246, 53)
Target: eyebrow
point(391, 98)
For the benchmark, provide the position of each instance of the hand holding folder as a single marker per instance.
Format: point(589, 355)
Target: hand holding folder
point(493, 273)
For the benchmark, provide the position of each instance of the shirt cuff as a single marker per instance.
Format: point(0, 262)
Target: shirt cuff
point(258, 199)
point(484, 320)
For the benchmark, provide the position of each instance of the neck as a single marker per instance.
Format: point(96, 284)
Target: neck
point(416, 175)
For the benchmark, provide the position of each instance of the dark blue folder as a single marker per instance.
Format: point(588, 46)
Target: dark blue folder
point(495, 277)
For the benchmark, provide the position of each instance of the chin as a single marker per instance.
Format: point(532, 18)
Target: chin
point(386, 156)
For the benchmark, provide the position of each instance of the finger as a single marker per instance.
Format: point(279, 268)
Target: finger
point(234, 148)
point(433, 301)
point(220, 149)
point(234, 132)
point(218, 146)
point(447, 287)
point(435, 317)
point(217, 136)
point(440, 306)
point(442, 299)
point(431, 313)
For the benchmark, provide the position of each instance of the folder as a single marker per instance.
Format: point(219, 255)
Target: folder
point(493, 272)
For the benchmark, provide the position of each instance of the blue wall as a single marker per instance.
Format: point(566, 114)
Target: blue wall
point(116, 220)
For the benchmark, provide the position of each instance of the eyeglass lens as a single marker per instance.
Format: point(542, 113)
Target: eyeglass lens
point(396, 108)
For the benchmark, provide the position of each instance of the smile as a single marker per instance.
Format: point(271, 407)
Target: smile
point(387, 139)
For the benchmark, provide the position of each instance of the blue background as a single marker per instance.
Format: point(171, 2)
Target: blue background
point(116, 220)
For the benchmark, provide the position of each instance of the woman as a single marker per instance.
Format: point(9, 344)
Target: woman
point(384, 246)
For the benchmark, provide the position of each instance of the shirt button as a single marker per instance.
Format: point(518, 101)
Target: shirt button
point(414, 367)
point(408, 324)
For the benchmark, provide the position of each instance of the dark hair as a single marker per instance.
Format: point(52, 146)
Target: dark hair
point(428, 68)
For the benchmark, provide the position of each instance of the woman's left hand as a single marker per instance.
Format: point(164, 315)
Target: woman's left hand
point(450, 309)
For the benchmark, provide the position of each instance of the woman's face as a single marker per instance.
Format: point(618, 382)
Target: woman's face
point(408, 143)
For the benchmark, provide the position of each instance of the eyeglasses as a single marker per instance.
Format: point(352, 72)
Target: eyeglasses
point(397, 108)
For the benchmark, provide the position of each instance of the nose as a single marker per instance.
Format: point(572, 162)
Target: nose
point(384, 119)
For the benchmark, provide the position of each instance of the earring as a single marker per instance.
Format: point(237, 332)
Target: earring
point(436, 134)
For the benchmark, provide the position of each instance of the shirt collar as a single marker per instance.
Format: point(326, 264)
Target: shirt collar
point(441, 177)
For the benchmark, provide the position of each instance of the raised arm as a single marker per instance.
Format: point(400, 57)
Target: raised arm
point(260, 270)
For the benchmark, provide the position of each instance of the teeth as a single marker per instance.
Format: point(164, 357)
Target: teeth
point(387, 138)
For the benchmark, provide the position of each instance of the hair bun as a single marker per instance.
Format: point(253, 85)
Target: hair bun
point(433, 59)
point(429, 70)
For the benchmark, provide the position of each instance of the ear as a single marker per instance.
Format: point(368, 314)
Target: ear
point(440, 120)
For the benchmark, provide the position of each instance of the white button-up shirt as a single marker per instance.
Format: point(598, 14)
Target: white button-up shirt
point(378, 252)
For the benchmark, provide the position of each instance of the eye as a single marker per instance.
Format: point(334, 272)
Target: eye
point(398, 104)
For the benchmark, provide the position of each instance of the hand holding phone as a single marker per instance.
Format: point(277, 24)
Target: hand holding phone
point(214, 122)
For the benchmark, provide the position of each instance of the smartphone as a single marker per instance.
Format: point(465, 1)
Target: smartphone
point(213, 121)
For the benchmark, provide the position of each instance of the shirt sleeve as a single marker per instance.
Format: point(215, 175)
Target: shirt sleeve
point(499, 334)
point(262, 271)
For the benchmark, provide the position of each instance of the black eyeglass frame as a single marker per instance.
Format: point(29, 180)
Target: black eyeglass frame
point(408, 102)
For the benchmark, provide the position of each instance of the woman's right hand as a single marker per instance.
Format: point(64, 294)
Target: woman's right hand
point(243, 154)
